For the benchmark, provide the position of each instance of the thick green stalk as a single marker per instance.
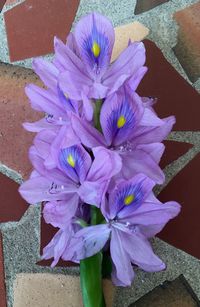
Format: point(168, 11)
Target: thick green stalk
point(91, 281)
point(91, 268)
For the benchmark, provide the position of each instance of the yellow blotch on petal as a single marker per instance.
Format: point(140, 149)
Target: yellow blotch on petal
point(96, 49)
point(129, 199)
point(71, 161)
point(121, 121)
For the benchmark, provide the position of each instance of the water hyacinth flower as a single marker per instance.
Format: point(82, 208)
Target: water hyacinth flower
point(130, 128)
point(75, 177)
point(96, 157)
point(89, 65)
point(132, 216)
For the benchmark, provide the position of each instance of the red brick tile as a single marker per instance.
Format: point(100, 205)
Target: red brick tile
point(146, 5)
point(15, 109)
point(188, 47)
point(2, 2)
point(173, 150)
point(47, 232)
point(2, 281)
point(175, 95)
point(12, 206)
point(32, 25)
point(184, 232)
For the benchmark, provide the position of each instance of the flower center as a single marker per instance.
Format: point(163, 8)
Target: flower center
point(121, 121)
point(71, 161)
point(96, 49)
point(129, 199)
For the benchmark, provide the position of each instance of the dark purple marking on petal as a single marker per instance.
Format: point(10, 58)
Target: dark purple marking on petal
point(75, 161)
point(70, 104)
point(98, 39)
point(120, 122)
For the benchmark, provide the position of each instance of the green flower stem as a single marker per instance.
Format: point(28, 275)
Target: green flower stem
point(97, 110)
point(91, 268)
point(91, 281)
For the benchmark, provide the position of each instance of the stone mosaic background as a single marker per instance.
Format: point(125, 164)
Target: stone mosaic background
point(172, 28)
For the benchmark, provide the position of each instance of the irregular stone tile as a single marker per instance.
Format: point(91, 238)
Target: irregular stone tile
point(2, 2)
point(171, 293)
point(183, 232)
point(32, 25)
point(12, 206)
point(15, 109)
point(175, 95)
point(46, 234)
point(134, 31)
point(43, 290)
point(173, 150)
point(2, 281)
point(146, 5)
point(187, 49)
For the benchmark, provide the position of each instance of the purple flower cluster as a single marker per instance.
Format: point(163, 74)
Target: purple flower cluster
point(98, 146)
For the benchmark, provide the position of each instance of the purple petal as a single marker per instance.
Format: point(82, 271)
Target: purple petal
point(67, 59)
point(141, 253)
point(52, 174)
point(71, 43)
point(92, 192)
point(42, 142)
point(58, 213)
point(74, 83)
point(39, 125)
point(122, 274)
point(57, 245)
point(94, 35)
point(98, 90)
point(106, 164)
point(119, 116)
point(145, 135)
point(155, 150)
point(127, 196)
point(138, 161)
point(151, 214)
point(41, 100)
point(150, 118)
point(40, 189)
point(87, 107)
point(92, 239)
point(134, 81)
point(128, 63)
point(47, 72)
point(88, 135)
point(75, 162)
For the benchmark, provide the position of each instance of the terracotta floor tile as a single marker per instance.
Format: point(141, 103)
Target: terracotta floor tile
point(173, 150)
point(171, 293)
point(2, 282)
point(146, 5)
point(183, 232)
point(47, 232)
point(175, 95)
point(134, 31)
point(188, 47)
point(15, 109)
point(49, 290)
point(32, 25)
point(12, 206)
